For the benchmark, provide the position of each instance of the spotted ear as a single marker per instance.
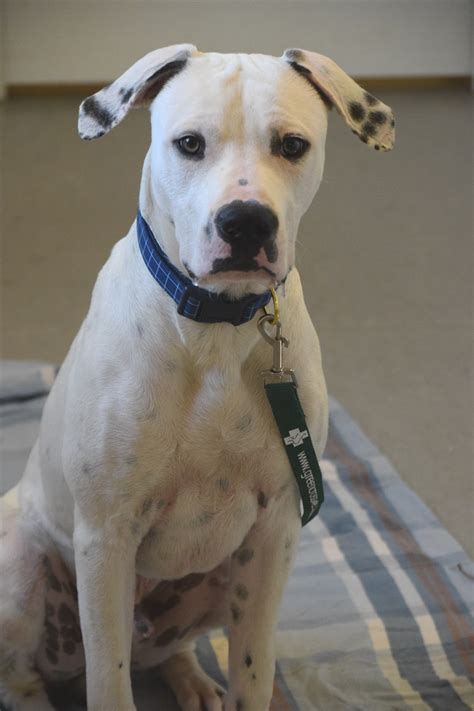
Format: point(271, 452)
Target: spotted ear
point(137, 87)
point(368, 117)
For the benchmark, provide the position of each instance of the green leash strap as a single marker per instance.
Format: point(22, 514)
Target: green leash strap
point(290, 418)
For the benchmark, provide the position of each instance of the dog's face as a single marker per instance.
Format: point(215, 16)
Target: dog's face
point(237, 152)
point(237, 155)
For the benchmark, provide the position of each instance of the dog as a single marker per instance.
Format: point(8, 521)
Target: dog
point(158, 501)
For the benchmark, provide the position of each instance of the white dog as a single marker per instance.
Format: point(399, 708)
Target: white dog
point(159, 501)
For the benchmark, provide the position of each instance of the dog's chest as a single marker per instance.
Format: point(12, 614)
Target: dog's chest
point(223, 467)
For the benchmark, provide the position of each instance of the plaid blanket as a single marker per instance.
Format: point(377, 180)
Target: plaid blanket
point(377, 615)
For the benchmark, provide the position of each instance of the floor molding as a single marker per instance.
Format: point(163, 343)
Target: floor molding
point(371, 83)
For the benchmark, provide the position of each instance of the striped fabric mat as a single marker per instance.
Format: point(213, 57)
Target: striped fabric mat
point(377, 615)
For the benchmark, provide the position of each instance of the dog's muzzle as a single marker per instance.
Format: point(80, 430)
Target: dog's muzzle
point(248, 227)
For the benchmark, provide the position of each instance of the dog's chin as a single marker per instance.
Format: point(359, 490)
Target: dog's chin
point(238, 283)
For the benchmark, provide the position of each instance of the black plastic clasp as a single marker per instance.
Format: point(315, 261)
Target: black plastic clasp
point(213, 308)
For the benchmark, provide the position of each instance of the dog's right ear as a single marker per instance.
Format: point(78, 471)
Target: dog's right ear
point(137, 87)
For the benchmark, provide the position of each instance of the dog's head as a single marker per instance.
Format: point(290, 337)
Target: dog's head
point(237, 152)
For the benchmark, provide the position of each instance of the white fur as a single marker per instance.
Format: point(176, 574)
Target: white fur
point(151, 406)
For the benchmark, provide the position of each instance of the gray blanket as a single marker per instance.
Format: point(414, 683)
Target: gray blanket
point(377, 615)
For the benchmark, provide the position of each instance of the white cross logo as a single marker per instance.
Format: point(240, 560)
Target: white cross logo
point(296, 437)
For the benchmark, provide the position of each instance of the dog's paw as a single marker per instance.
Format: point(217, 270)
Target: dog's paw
point(198, 692)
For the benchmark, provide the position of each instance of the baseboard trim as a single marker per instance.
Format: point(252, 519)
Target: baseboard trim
point(370, 83)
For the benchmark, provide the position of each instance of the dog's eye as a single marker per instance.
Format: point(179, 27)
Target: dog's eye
point(191, 145)
point(293, 147)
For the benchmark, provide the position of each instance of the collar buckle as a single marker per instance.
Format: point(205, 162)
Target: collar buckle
point(206, 307)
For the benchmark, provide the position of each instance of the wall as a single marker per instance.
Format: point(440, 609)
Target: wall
point(65, 41)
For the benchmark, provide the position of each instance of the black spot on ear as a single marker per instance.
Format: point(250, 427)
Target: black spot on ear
point(157, 80)
point(295, 55)
point(126, 95)
point(356, 111)
point(243, 181)
point(371, 100)
point(369, 129)
point(306, 74)
point(99, 113)
point(377, 117)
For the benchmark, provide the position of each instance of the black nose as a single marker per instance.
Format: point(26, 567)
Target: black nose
point(246, 223)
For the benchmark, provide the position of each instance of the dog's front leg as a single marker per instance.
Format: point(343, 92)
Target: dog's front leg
point(105, 568)
point(260, 569)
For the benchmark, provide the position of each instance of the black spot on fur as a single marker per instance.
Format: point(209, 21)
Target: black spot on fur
point(208, 229)
point(99, 113)
point(120, 665)
point(166, 637)
point(54, 582)
point(140, 329)
point(377, 147)
point(51, 656)
point(392, 123)
point(236, 613)
point(244, 555)
point(288, 543)
point(377, 117)
point(306, 74)
point(371, 100)
point(356, 111)
point(248, 660)
point(223, 484)
point(243, 181)
point(156, 82)
point(52, 644)
point(254, 676)
point(126, 95)
point(295, 55)
point(241, 591)
point(369, 129)
point(262, 500)
point(69, 647)
point(65, 615)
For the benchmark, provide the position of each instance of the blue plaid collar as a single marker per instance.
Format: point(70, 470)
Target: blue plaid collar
point(193, 302)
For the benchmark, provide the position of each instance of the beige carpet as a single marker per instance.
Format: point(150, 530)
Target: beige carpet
point(385, 256)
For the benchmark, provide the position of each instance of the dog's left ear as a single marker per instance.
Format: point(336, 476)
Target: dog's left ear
point(137, 87)
point(368, 117)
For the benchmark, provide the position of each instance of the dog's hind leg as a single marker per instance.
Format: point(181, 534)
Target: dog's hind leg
point(22, 602)
point(193, 688)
